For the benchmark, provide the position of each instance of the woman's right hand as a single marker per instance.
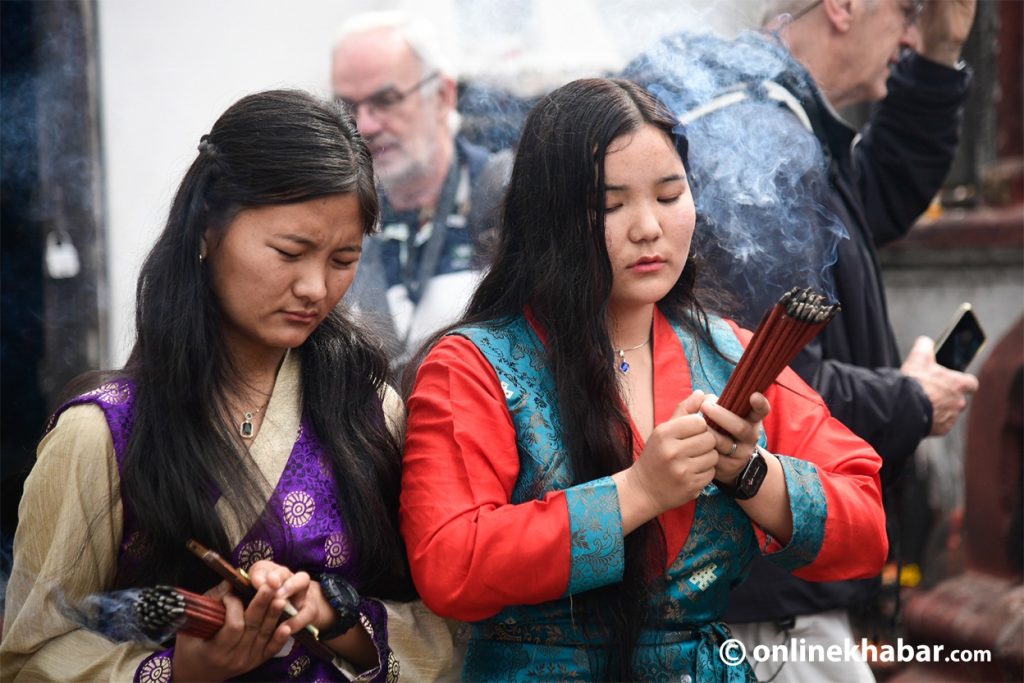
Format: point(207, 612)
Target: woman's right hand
point(250, 636)
point(676, 464)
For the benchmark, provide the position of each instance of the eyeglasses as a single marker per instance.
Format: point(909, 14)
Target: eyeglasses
point(384, 99)
point(911, 11)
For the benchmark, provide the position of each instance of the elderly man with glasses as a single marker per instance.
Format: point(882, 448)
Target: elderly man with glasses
point(438, 191)
point(787, 190)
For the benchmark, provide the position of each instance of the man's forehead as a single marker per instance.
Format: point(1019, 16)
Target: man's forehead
point(373, 60)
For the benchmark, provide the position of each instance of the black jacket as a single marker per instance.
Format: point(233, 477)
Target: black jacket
point(779, 203)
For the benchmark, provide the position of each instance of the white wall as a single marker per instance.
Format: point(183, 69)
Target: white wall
point(168, 68)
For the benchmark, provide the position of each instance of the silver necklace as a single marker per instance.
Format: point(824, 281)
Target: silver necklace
point(623, 365)
point(246, 429)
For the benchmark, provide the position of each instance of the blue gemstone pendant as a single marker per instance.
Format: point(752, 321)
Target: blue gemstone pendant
point(245, 430)
point(623, 365)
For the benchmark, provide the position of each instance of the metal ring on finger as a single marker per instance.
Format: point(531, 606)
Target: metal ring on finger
point(732, 451)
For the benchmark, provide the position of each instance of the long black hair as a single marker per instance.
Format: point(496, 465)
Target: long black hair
point(551, 256)
point(274, 147)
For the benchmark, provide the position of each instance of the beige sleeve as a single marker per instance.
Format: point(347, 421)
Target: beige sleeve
point(424, 644)
point(394, 412)
point(65, 548)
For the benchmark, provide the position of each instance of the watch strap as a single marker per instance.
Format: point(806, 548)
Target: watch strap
point(344, 599)
point(749, 482)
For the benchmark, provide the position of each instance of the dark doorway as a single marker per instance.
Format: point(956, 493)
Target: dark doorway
point(51, 298)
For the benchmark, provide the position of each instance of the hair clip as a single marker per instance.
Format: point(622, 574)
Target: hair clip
point(206, 146)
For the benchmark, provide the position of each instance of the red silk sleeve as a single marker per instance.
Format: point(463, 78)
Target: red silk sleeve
point(800, 425)
point(471, 551)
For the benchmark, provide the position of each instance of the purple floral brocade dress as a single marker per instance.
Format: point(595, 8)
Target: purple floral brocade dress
point(303, 530)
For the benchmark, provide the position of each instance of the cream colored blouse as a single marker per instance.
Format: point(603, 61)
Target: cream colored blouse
point(69, 530)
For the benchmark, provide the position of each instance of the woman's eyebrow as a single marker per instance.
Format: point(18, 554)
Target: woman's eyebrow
point(307, 242)
point(659, 181)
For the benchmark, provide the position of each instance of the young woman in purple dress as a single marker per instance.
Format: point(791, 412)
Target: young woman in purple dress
point(252, 416)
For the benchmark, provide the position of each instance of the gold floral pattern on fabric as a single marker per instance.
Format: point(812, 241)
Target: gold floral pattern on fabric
point(394, 668)
point(116, 394)
point(511, 631)
point(810, 509)
point(713, 559)
point(298, 508)
point(518, 357)
point(112, 392)
point(595, 532)
point(336, 550)
point(155, 670)
point(365, 621)
point(254, 551)
point(557, 671)
point(296, 668)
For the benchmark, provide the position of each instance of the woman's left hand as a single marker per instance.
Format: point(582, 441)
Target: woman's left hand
point(308, 598)
point(737, 445)
point(296, 588)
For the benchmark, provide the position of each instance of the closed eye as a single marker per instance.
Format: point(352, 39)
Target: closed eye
point(286, 254)
point(670, 200)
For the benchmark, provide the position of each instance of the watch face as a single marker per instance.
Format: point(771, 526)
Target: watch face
point(750, 480)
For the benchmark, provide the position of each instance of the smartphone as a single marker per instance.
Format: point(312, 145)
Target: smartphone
point(961, 340)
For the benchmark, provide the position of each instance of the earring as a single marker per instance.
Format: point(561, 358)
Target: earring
point(202, 257)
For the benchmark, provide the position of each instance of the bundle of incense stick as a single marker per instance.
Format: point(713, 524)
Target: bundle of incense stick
point(164, 610)
point(798, 316)
point(240, 583)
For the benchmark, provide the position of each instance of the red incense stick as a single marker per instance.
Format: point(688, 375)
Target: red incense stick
point(799, 315)
point(239, 580)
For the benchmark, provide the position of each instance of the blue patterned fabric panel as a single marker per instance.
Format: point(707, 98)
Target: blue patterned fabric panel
point(517, 356)
point(543, 642)
point(595, 522)
point(810, 509)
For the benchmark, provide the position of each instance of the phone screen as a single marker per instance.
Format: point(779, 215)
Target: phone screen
point(958, 348)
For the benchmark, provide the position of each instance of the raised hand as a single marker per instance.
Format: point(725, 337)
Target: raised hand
point(944, 26)
point(948, 390)
point(737, 445)
point(676, 464)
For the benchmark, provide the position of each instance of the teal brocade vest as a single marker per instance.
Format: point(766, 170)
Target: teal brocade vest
point(543, 642)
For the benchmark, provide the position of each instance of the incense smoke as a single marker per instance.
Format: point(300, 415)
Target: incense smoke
point(757, 172)
point(112, 615)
